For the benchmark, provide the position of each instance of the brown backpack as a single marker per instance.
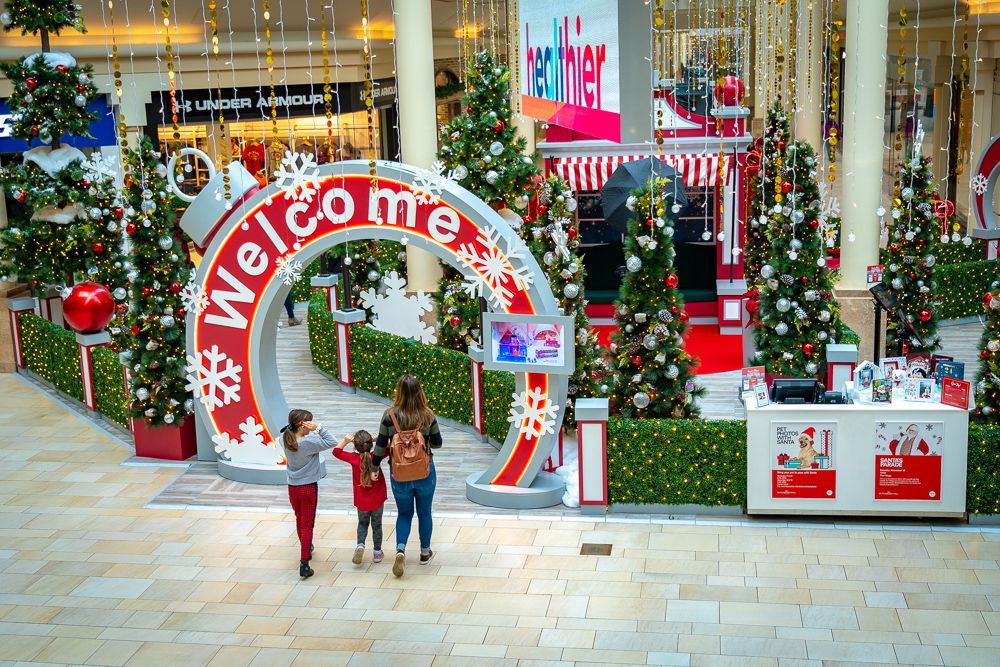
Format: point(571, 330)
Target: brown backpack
point(409, 454)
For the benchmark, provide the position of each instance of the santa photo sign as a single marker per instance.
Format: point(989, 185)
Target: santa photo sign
point(802, 460)
point(908, 460)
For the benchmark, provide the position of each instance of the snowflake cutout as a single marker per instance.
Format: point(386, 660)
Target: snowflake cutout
point(249, 447)
point(195, 298)
point(99, 168)
point(428, 184)
point(533, 413)
point(492, 268)
point(560, 238)
point(397, 313)
point(213, 378)
point(289, 269)
point(298, 180)
point(979, 184)
point(829, 204)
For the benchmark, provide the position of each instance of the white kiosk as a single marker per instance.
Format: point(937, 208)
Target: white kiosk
point(892, 459)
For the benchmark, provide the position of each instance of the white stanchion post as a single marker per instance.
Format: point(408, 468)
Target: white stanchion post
point(128, 396)
point(87, 343)
point(16, 307)
point(476, 368)
point(345, 319)
point(330, 284)
point(841, 360)
point(592, 441)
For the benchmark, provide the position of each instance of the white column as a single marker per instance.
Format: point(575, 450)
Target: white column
point(525, 127)
point(864, 112)
point(809, 74)
point(417, 120)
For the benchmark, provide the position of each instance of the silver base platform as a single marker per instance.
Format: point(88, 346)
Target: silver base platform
point(546, 491)
point(249, 474)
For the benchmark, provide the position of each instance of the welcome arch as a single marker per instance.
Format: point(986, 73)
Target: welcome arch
point(242, 280)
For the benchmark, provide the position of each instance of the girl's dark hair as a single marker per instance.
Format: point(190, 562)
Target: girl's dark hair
point(290, 431)
point(410, 404)
point(363, 446)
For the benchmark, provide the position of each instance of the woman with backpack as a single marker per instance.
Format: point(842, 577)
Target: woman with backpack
point(407, 434)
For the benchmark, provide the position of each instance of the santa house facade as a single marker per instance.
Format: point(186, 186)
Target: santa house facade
point(709, 153)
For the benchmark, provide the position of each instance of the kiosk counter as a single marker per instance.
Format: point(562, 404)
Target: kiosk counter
point(893, 459)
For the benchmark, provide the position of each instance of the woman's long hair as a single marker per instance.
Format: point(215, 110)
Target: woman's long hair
point(363, 446)
point(410, 404)
point(289, 432)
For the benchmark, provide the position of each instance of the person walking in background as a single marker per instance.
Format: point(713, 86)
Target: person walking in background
point(304, 441)
point(407, 433)
point(290, 310)
point(369, 492)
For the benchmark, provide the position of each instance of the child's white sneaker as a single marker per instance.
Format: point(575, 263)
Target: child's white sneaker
point(359, 553)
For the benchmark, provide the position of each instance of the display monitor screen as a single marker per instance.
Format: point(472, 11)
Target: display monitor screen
point(529, 343)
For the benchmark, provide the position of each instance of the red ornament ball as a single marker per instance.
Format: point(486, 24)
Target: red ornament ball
point(813, 224)
point(22, 196)
point(526, 219)
point(925, 315)
point(808, 349)
point(987, 298)
point(455, 320)
point(98, 247)
point(637, 360)
point(730, 91)
point(571, 232)
point(119, 212)
point(146, 291)
point(498, 128)
point(31, 83)
point(683, 316)
point(781, 145)
point(468, 110)
point(88, 307)
point(130, 229)
point(671, 280)
point(753, 305)
point(60, 68)
point(175, 287)
point(984, 354)
point(786, 187)
point(135, 329)
point(542, 209)
point(34, 130)
point(650, 222)
point(673, 309)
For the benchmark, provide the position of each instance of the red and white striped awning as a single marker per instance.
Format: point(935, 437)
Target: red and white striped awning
point(590, 173)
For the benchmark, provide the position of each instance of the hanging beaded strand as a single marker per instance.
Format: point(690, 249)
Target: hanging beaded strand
point(900, 82)
point(369, 93)
point(171, 76)
point(963, 87)
point(269, 56)
point(833, 130)
point(122, 129)
point(224, 151)
point(327, 89)
point(658, 65)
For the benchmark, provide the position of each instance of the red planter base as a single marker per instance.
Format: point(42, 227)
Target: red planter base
point(174, 443)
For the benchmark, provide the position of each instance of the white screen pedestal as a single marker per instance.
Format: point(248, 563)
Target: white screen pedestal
point(852, 455)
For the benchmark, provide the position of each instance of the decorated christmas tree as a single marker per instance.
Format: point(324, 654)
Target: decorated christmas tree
point(797, 314)
point(159, 270)
point(369, 262)
point(554, 237)
point(909, 259)
point(988, 378)
point(653, 373)
point(54, 237)
point(485, 154)
point(764, 166)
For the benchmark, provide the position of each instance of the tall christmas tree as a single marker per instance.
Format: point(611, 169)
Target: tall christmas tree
point(54, 238)
point(909, 270)
point(764, 163)
point(554, 237)
point(988, 378)
point(482, 149)
point(159, 270)
point(369, 262)
point(653, 373)
point(798, 316)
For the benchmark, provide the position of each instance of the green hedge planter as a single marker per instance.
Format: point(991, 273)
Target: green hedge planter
point(322, 334)
point(983, 495)
point(961, 287)
point(110, 397)
point(51, 353)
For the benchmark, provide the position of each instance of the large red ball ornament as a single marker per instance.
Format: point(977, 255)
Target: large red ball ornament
point(31, 83)
point(683, 316)
point(455, 320)
point(925, 315)
point(98, 247)
point(808, 349)
point(730, 91)
point(786, 187)
point(130, 229)
point(88, 307)
point(671, 280)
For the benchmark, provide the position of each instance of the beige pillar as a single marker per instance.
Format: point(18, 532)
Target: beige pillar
point(525, 127)
point(8, 290)
point(809, 74)
point(417, 119)
point(861, 168)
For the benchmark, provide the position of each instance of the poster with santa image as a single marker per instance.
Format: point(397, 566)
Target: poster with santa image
point(908, 460)
point(802, 463)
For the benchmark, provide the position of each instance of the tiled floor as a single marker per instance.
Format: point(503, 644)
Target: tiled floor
point(88, 576)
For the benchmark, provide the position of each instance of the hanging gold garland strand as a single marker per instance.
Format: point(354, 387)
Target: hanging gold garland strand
point(369, 93)
point(171, 75)
point(117, 78)
point(224, 152)
point(659, 23)
point(273, 99)
point(327, 90)
point(963, 87)
point(834, 89)
point(901, 79)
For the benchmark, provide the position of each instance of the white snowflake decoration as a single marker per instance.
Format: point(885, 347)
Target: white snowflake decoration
point(98, 168)
point(289, 269)
point(492, 269)
point(250, 447)
point(195, 298)
point(397, 313)
point(297, 176)
point(829, 208)
point(213, 378)
point(533, 413)
point(560, 239)
point(428, 184)
point(979, 184)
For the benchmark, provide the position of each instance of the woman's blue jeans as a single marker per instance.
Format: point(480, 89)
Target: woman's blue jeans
point(412, 496)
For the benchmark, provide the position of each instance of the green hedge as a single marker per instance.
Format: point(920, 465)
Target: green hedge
point(378, 359)
point(498, 387)
point(961, 287)
point(110, 397)
point(677, 462)
point(51, 353)
point(322, 334)
point(446, 378)
point(983, 496)
point(302, 289)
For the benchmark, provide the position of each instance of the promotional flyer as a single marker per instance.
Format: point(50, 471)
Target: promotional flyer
point(908, 460)
point(802, 460)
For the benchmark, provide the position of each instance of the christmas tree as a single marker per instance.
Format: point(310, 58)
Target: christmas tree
point(368, 262)
point(798, 316)
point(909, 270)
point(554, 237)
point(764, 165)
point(988, 378)
point(54, 237)
point(160, 268)
point(653, 373)
point(485, 154)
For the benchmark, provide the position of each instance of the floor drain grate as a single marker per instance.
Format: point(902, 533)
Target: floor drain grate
point(589, 549)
